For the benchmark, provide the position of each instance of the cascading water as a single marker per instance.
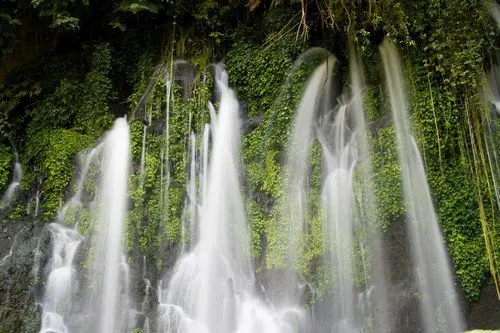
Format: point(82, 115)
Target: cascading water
point(438, 300)
point(212, 287)
point(345, 147)
point(293, 216)
point(143, 157)
point(109, 279)
point(14, 185)
point(107, 262)
point(61, 281)
point(190, 203)
point(373, 301)
point(339, 160)
point(57, 305)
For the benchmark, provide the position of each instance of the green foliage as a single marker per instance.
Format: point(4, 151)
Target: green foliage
point(81, 105)
point(438, 109)
point(387, 176)
point(52, 151)
point(63, 123)
point(6, 161)
point(137, 330)
point(136, 6)
point(93, 116)
point(59, 12)
point(257, 75)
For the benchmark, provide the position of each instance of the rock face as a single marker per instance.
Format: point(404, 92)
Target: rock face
point(22, 245)
point(402, 289)
point(485, 313)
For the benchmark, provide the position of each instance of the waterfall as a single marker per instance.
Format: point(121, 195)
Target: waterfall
point(57, 304)
point(58, 298)
point(293, 207)
point(143, 157)
point(109, 284)
point(17, 175)
point(438, 300)
point(112, 205)
point(374, 299)
point(339, 228)
point(212, 287)
point(190, 201)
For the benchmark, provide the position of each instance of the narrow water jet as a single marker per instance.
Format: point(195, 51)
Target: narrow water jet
point(165, 151)
point(143, 157)
point(75, 202)
point(438, 300)
point(37, 202)
point(17, 176)
point(112, 205)
point(204, 155)
point(190, 203)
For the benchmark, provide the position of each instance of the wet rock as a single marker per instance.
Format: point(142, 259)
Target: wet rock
point(21, 244)
point(485, 313)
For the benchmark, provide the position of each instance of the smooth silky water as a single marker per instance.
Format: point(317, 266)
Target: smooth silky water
point(17, 175)
point(438, 299)
point(212, 287)
point(104, 303)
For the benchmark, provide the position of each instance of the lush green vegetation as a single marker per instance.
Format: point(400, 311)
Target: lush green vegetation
point(70, 67)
